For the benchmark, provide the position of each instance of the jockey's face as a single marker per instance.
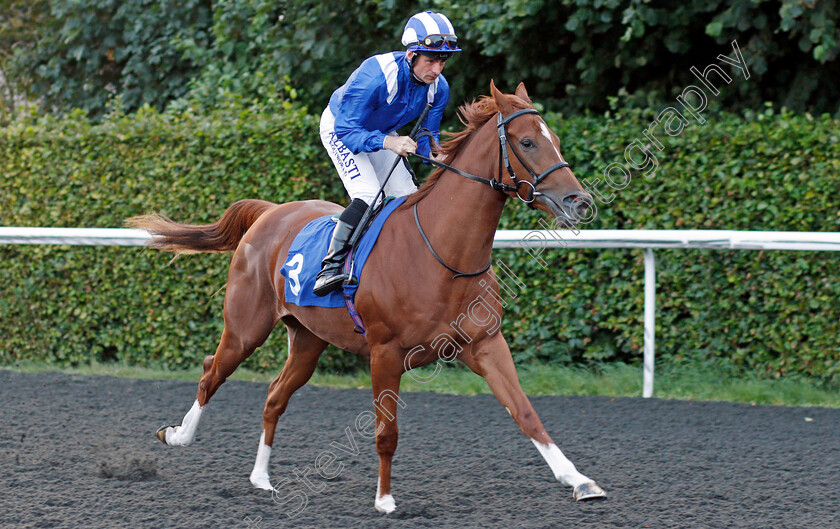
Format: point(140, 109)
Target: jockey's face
point(427, 69)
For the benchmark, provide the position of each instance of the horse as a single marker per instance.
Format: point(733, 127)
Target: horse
point(413, 308)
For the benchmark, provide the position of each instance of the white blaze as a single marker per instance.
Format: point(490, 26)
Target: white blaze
point(547, 134)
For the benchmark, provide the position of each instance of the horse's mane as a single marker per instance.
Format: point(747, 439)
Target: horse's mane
point(473, 115)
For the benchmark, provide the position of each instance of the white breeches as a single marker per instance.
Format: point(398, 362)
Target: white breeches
point(363, 173)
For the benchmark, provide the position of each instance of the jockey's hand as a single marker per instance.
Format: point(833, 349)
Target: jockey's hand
point(401, 145)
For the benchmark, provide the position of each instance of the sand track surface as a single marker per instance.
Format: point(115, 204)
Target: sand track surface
point(80, 451)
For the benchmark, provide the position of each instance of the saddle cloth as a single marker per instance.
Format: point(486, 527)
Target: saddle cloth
point(308, 250)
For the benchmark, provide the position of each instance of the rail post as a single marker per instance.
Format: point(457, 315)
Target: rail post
point(650, 322)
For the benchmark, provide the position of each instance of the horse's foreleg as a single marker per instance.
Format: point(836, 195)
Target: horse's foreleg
point(304, 350)
point(385, 372)
point(492, 360)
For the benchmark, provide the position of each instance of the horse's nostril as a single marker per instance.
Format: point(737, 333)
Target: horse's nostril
point(578, 204)
point(573, 198)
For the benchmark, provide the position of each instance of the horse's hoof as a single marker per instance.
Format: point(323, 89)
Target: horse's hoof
point(261, 481)
point(589, 491)
point(161, 432)
point(385, 504)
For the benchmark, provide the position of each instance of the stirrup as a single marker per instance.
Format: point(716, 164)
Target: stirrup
point(326, 284)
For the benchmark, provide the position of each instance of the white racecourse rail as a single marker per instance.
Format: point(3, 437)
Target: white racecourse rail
point(535, 242)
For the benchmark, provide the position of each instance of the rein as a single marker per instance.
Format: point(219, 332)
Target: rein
point(436, 256)
point(495, 183)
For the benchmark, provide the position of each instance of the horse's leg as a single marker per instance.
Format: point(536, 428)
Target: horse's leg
point(304, 350)
point(385, 372)
point(492, 360)
point(250, 308)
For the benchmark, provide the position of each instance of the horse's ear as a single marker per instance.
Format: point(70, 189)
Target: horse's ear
point(501, 101)
point(522, 94)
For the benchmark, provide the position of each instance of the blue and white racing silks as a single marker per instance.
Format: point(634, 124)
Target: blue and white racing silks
point(380, 97)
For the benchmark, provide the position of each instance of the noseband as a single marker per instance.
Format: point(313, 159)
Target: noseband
point(495, 183)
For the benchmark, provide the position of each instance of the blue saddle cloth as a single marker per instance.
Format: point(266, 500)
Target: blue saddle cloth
point(308, 250)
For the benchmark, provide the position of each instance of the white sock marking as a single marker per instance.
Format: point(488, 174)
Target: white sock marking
point(563, 469)
point(184, 434)
point(259, 476)
point(384, 503)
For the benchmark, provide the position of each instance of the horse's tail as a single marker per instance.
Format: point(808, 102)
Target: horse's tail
point(221, 236)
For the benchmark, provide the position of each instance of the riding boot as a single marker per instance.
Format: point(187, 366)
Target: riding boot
point(330, 278)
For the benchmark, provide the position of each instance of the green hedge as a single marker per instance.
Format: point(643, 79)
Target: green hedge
point(774, 312)
point(80, 303)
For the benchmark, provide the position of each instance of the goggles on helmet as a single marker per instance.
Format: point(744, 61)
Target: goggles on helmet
point(434, 42)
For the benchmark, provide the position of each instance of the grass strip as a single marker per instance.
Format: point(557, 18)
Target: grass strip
point(684, 382)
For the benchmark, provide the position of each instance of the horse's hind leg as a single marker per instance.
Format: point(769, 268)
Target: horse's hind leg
point(304, 350)
point(250, 308)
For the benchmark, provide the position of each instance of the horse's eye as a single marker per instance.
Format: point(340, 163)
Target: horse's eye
point(527, 143)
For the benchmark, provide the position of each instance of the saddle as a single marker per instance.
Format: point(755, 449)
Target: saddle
point(309, 247)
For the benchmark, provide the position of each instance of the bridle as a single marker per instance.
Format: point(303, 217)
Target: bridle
point(504, 142)
point(495, 183)
point(504, 162)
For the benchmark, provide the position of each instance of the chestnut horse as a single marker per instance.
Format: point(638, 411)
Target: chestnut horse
point(407, 297)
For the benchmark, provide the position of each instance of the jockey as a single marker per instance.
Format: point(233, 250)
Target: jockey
point(358, 128)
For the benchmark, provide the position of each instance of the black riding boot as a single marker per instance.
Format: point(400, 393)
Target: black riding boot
point(330, 278)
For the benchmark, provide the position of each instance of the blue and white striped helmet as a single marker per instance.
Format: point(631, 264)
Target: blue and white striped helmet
point(430, 32)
